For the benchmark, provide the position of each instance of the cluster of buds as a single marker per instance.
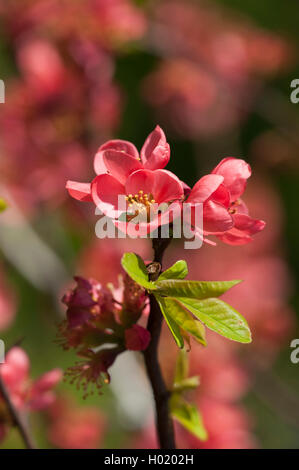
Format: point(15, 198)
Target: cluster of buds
point(100, 327)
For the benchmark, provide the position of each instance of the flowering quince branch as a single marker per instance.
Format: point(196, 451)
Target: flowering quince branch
point(95, 318)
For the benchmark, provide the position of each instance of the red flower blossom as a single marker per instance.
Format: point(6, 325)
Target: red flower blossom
point(224, 213)
point(141, 182)
point(120, 158)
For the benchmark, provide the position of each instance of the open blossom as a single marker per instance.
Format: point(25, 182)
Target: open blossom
point(139, 182)
point(132, 189)
point(26, 395)
point(224, 212)
point(120, 158)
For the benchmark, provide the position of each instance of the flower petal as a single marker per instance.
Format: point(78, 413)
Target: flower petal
point(216, 218)
point(247, 224)
point(105, 191)
point(204, 188)
point(120, 165)
point(79, 191)
point(235, 173)
point(222, 196)
point(235, 237)
point(120, 146)
point(162, 184)
point(155, 152)
point(140, 180)
point(15, 369)
point(167, 187)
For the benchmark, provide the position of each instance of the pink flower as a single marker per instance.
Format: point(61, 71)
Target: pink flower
point(15, 374)
point(119, 158)
point(140, 183)
point(41, 394)
point(143, 191)
point(224, 212)
point(235, 173)
point(24, 393)
point(42, 67)
point(137, 338)
point(154, 154)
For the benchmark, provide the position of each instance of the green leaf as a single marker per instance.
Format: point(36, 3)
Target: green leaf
point(174, 328)
point(3, 205)
point(182, 317)
point(188, 416)
point(191, 383)
point(136, 269)
point(219, 317)
point(178, 271)
point(194, 289)
point(181, 367)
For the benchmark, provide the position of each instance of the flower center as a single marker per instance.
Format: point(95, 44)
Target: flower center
point(234, 206)
point(141, 199)
point(140, 202)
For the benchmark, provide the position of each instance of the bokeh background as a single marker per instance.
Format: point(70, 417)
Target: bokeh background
point(216, 76)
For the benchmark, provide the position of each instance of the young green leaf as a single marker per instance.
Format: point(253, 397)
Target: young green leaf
point(191, 383)
point(136, 269)
point(193, 289)
point(174, 328)
point(178, 271)
point(181, 367)
point(175, 310)
point(219, 317)
point(188, 416)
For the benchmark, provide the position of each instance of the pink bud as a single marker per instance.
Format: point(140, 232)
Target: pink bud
point(137, 338)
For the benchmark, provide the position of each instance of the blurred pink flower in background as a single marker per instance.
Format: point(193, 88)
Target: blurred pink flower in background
point(74, 427)
point(25, 394)
point(111, 23)
point(65, 94)
point(191, 100)
point(228, 427)
point(212, 66)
